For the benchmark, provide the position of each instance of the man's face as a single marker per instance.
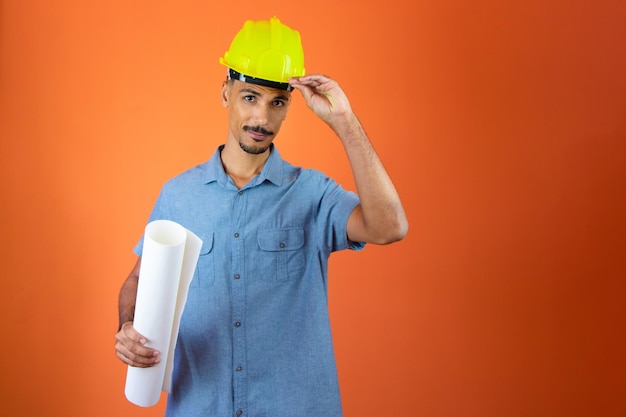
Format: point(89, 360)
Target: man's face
point(255, 114)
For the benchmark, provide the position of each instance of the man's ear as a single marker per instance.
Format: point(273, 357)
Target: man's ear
point(225, 94)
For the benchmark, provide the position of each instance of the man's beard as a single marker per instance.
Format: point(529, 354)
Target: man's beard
point(253, 150)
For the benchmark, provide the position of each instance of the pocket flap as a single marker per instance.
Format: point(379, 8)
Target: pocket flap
point(276, 240)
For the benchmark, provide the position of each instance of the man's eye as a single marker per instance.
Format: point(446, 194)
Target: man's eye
point(248, 98)
point(279, 103)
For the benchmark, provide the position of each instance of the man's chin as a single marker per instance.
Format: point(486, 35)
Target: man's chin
point(253, 149)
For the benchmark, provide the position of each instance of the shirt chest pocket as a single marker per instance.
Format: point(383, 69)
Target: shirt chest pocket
point(281, 254)
point(205, 271)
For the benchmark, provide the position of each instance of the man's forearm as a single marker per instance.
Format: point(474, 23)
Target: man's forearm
point(128, 295)
point(383, 214)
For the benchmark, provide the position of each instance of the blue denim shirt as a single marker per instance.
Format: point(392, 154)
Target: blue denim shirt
point(255, 336)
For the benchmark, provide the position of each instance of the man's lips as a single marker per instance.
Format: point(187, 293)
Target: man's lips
point(257, 132)
point(256, 135)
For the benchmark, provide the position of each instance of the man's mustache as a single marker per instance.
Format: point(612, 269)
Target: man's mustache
point(258, 129)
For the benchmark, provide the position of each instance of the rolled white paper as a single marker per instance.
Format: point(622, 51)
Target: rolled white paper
point(168, 261)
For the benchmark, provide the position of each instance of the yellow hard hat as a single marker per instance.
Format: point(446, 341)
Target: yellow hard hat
point(265, 52)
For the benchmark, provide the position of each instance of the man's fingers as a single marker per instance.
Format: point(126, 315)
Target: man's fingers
point(137, 355)
point(312, 81)
point(130, 348)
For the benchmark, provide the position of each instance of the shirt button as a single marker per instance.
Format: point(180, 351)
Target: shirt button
point(239, 412)
point(237, 276)
point(237, 324)
point(282, 245)
point(236, 234)
point(240, 193)
point(238, 369)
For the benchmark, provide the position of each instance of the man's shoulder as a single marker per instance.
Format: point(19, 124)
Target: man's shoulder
point(195, 175)
point(300, 172)
point(297, 174)
point(309, 182)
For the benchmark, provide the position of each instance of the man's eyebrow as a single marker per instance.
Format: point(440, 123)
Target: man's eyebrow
point(281, 97)
point(256, 93)
point(249, 91)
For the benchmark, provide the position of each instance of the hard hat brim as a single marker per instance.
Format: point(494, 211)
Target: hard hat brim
point(235, 75)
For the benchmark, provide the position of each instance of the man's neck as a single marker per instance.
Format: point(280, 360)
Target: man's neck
point(240, 165)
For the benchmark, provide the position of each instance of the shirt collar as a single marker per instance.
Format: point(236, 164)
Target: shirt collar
point(272, 170)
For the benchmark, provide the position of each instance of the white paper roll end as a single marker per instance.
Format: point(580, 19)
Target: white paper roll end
point(136, 391)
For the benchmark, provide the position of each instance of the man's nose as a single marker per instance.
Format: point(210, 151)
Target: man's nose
point(261, 113)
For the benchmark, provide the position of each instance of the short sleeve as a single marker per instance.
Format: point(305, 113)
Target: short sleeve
point(335, 208)
point(159, 212)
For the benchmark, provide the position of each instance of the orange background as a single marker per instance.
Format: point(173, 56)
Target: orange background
point(502, 123)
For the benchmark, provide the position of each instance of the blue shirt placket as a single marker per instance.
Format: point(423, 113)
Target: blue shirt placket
point(238, 297)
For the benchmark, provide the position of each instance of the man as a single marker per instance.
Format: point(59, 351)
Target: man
point(255, 336)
